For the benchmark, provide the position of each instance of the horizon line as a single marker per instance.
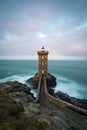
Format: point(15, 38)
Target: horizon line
point(48, 59)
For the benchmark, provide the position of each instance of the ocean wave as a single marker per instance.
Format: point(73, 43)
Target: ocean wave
point(21, 78)
point(71, 87)
point(34, 92)
point(66, 85)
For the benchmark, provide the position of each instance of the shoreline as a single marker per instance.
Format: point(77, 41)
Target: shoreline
point(76, 88)
point(60, 95)
point(50, 116)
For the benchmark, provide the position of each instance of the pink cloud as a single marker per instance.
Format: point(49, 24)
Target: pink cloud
point(14, 26)
point(38, 11)
point(43, 16)
point(37, 6)
point(32, 27)
point(23, 27)
point(32, 8)
point(79, 48)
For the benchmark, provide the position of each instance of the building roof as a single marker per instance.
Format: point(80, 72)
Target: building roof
point(42, 47)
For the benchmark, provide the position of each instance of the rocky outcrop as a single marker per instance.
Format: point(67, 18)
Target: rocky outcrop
point(18, 91)
point(50, 79)
point(44, 115)
point(44, 122)
point(51, 83)
point(33, 81)
point(34, 108)
point(78, 102)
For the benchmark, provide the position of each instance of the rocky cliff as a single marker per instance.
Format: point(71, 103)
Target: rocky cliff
point(50, 79)
point(38, 116)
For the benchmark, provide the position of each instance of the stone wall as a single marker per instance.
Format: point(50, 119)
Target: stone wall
point(61, 103)
point(38, 91)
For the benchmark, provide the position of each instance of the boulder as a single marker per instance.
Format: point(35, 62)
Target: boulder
point(18, 91)
point(63, 96)
point(51, 91)
point(34, 108)
point(21, 97)
point(78, 102)
point(15, 87)
point(44, 122)
point(33, 81)
point(50, 80)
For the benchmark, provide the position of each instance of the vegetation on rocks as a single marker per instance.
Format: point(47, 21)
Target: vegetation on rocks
point(12, 115)
point(19, 111)
point(18, 91)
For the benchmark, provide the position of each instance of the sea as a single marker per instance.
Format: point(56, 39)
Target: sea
point(71, 75)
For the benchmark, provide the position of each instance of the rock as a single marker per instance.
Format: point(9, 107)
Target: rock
point(35, 108)
point(44, 122)
point(78, 102)
point(15, 87)
point(18, 91)
point(51, 91)
point(21, 97)
point(61, 123)
point(50, 79)
point(33, 81)
point(63, 96)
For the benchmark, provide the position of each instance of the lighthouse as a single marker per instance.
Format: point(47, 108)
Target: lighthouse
point(42, 62)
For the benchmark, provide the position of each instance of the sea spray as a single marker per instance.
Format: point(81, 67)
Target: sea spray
point(71, 75)
point(71, 87)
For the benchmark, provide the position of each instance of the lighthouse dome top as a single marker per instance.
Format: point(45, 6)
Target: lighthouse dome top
point(42, 49)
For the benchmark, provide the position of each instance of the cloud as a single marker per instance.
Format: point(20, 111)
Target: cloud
point(58, 25)
point(41, 35)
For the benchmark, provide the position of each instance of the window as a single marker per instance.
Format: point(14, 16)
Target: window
point(42, 57)
point(42, 71)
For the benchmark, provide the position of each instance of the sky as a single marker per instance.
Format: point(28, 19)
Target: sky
point(58, 25)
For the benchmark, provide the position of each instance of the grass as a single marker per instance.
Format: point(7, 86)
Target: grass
point(12, 115)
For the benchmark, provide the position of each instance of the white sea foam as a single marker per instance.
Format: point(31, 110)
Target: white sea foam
point(21, 78)
point(70, 87)
point(34, 92)
point(65, 85)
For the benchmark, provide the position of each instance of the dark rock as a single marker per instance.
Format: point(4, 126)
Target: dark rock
point(33, 81)
point(35, 108)
point(73, 128)
point(63, 96)
point(78, 102)
point(16, 87)
point(51, 91)
point(21, 97)
point(44, 122)
point(18, 91)
point(50, 80)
